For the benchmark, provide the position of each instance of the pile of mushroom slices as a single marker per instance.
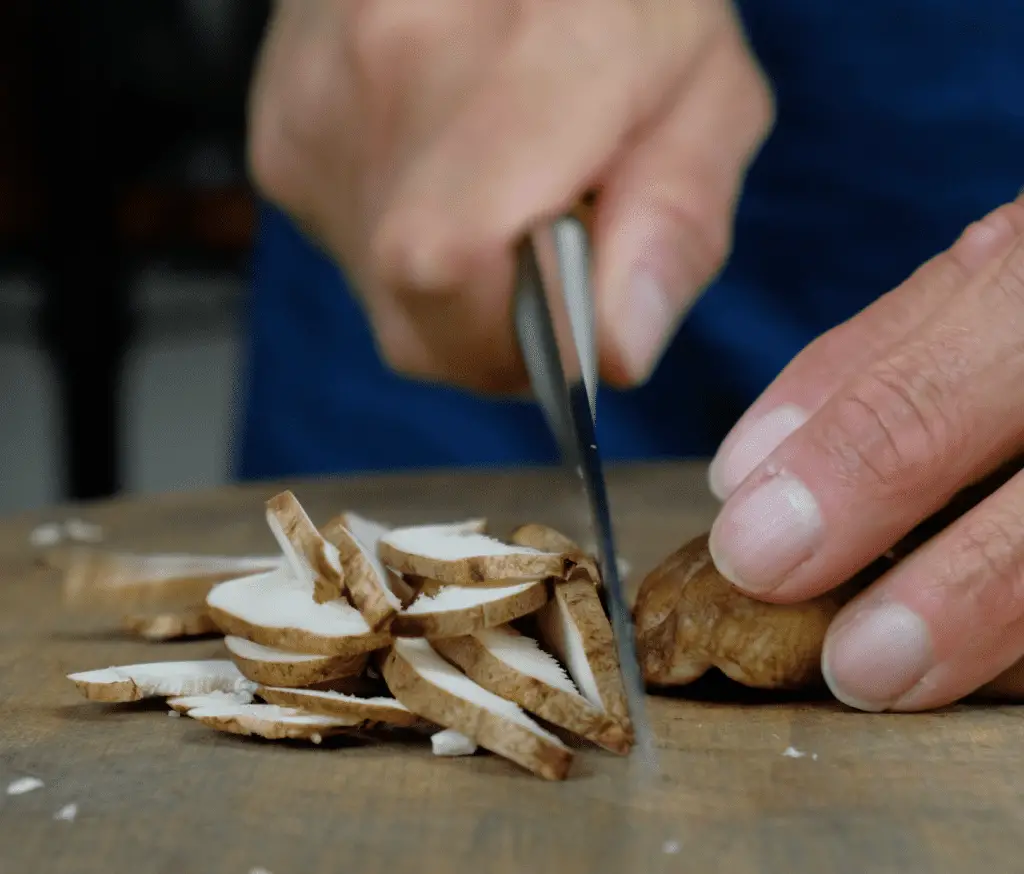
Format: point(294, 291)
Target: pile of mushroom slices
point(432, 629)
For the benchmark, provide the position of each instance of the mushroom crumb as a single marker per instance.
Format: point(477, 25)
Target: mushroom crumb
point(23, 785)
point(671, 848)
point(67, 813)
point(794, 753)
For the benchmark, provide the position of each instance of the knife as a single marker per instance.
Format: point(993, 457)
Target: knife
point(563, 375)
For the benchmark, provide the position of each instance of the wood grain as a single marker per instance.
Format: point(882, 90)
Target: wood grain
point(874, 793)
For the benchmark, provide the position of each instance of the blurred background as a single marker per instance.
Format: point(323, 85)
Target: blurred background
point(125, 226)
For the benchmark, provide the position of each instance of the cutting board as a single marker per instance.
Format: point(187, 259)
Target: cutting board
point(745, 785)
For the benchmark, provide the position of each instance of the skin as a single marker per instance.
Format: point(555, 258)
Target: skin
point(417, 142)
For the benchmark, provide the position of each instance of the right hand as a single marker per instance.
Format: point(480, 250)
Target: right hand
point(417, 141)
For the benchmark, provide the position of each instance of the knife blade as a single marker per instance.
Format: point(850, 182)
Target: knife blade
point(564, 376)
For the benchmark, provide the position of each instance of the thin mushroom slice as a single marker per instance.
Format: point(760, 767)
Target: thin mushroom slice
point(389, 711)
point(277, 610)
point(451, 743)
point(309, 554)
point(514, 667)
point(377, 592)
point(126, 683)
point(460, 610)
point(548, 539)
point(184, 703)
point(102, 578)
point(466, 559)
point(574, 627)
point(428, 685)
point(276, 667)
point(270, 721)
point(172, 625)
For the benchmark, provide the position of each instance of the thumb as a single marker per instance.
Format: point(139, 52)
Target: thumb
point(663, 227)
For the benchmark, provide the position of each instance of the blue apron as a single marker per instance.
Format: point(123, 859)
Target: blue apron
point(899, 123)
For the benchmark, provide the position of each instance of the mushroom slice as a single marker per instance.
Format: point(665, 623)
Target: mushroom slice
point(451, 743)
point(574, 627)
point(377, 592)
point(464, 558)
point(457, 610)
point(548, 539)
point(184, 703)
point(513, 666)
point(426, 684)
point(270, 721)
point(125, 683)
point(192, 622)
point(386, 710)
point(278, 610)
point(310, 556)
point(276, 667)
point(100, 578)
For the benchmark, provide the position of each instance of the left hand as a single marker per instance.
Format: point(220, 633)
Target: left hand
point(871, 429)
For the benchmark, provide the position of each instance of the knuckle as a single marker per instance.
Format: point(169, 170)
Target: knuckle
point(985, 566)
point(893, 425)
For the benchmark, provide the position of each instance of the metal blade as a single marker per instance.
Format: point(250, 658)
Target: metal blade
point(570, 407)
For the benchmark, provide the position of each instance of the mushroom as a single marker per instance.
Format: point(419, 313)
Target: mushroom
point(689, 619)
point(463, 558)
point(377, 592)
point(548, 539)
point(310, 556)
point(116, 685)
point(270, 721)
point(184, 703)
point(327, 703)
point(459, 610)
point(513, 666)
point(575, 628)
point(277, 610)
point(275, 667)
point(431, 687)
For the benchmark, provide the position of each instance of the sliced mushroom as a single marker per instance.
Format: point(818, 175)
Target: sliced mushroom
point(458, 610)
point(184, 703)
point(511, 665)
point(126, 683)
point(689, 619)
point(190, 622)
point(277, 610)
point(548, 539)
point(310, 556)
point(377, 592)
point(429, 686)
point(574, 627)
point(276, 667)
point(270, 721)
point(101, 578)
point(384, 710)
point(464, 558)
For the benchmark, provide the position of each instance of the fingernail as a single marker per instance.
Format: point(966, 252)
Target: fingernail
point(754, 444)
point(646, 319)
point(878, 657)
point(756, 542)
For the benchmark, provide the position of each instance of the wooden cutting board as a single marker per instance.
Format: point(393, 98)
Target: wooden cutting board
point(855, 792)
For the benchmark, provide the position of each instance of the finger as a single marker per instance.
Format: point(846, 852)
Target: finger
point(536, 132)
point(664, 225)
point(815, 374)
point(946, 620)
point(889, 448)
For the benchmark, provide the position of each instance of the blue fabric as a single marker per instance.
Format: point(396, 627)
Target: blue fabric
point(900, 122)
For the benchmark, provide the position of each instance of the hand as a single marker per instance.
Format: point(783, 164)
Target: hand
point(870, 430)
point(418, 141)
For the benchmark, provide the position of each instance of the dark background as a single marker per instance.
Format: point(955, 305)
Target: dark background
point(125, 222)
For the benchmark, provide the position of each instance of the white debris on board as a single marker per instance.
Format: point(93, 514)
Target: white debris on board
point(78, 530)
point(173, 714)
point(794, 753)
point(23, 785)
point(451, 743)
point(258, 871)
point(671, 848)
point(49, 534)
point(67, 813)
